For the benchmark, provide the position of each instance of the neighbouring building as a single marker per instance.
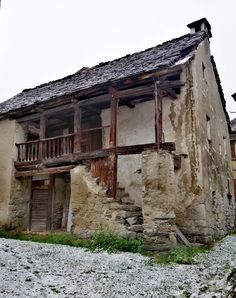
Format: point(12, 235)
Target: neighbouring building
point(233, 147)
point(136, 145)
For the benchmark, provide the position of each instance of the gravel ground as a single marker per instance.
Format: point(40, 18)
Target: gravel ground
point(30, 269)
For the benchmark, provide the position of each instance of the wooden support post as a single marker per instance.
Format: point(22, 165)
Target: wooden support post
point(158, 117)
point(113, 157)
point(42, 132)
point(77, 128)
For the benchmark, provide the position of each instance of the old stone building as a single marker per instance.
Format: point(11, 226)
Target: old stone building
point(233, 147)
point(137, 145)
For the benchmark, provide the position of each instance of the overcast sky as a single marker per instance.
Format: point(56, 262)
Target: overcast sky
point(43, 40)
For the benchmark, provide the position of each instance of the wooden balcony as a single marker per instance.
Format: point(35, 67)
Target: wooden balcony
point(46, 149)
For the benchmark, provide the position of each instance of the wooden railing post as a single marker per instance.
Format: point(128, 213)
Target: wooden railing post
point(113, 140)
point(42, 132)
point(158, 116)
point(77, 128)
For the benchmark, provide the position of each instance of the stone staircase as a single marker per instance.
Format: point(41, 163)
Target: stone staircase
point(125, 212)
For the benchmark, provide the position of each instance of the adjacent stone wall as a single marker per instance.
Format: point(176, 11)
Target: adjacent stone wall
point(159, 200)
point(59, 197)
point(7, 129)
point(19, 204)
point(15, 193)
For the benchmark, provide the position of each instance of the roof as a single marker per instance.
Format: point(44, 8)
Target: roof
point(159, 57)
point(221, 93)
point(233, 125)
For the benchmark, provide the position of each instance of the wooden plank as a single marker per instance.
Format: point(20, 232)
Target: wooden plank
point(95, 128)
point(180, 236)
point(131, 92)
point(39, 210)
point(54, 170)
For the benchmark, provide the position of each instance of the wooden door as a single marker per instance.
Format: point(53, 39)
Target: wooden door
point(40, 206)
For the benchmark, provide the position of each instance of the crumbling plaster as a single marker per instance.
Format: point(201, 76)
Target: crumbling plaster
point(14, 198)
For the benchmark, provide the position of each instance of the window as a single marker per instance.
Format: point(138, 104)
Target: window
point(208, 128)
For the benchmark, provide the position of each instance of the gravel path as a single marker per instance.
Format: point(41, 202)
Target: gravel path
point(30, 269)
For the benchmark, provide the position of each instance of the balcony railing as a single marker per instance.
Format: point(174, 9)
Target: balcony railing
point(49, 148)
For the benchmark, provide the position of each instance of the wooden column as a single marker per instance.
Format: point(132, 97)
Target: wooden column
point(113, 157)
point(77, 128)
point(158, 116)
point(42, 132)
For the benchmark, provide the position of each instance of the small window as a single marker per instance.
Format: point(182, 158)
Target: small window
point(233, 148)
point(229, 192)
point(220, 149)
point(208, 128)
point(203, 71)
point(225, 145)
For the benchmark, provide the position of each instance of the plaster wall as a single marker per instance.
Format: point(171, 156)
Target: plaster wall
point(88, 205)
point(15, 194)
point(213, 146)
point(7, 143)
point(197, 124)
point(134, 126)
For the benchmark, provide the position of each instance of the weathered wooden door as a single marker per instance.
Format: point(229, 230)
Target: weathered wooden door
point(40, 206)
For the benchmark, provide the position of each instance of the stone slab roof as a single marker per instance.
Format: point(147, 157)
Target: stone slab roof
point(153, 59)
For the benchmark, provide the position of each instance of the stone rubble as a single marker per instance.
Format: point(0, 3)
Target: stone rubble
point(30, 269)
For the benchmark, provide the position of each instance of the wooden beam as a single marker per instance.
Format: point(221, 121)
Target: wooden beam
point(31, 117)
point(158, 116)
point(33, 130)
point(77, 128)
point(113, 157)
point(42, 132)
point(141, 90)
point(55, 170)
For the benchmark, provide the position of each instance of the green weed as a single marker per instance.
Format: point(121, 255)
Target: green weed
point(100, 240)
point(181, 255)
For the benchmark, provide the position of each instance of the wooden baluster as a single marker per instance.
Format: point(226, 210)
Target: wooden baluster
point(18, 152)
point(53, 148)
point(36, 151)
point(59, 147)
point(32, 152)
point(48, 148)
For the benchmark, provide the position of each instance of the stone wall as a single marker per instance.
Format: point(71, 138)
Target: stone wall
point(15, 193)
point(159, 200)
point(59, 197)
point(19, 204)
point(92, 210)
point(213, 211)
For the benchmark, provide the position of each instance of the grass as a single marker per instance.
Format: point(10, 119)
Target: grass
point(100, 240)
point(110, 242)
point(181, 255)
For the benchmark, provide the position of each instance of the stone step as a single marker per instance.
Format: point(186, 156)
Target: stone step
point(127, 200)
point(136, 228)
